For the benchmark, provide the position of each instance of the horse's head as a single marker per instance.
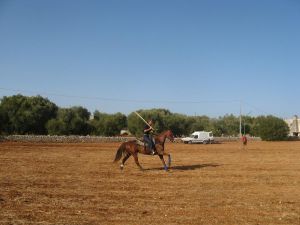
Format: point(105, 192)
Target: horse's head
point(169, 135)
point(160, 139)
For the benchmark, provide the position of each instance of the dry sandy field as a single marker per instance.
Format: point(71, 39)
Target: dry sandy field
point(207, 184)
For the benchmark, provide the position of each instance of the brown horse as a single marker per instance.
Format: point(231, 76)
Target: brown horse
point(132, 148)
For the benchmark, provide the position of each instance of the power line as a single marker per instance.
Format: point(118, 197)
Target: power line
point(256, 108)
point(119, 99)
point(148, 101)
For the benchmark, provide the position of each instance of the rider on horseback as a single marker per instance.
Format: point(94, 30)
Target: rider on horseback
point(148, 137)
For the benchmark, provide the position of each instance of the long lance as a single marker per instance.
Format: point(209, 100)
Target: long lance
point(143, 120)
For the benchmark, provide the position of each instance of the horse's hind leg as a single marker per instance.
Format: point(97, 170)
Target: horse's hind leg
point(137, 161)
point(124, 160)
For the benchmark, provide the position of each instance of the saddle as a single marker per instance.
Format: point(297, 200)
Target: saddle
point(145, 145)
point(140, 142)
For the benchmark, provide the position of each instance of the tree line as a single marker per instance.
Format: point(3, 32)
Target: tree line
point(37, 115)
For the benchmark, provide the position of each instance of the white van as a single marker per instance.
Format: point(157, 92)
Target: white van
point(199, 137)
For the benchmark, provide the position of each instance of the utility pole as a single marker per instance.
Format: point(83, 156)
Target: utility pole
point(240, 118)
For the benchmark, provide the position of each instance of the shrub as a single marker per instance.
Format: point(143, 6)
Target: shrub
point(270, 128)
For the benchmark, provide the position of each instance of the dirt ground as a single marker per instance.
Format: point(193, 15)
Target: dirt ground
point(207, 184)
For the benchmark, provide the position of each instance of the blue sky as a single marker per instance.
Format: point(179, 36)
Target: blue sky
point(191, 57)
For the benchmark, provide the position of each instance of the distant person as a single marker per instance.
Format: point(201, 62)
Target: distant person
point(244, 140)
point(148, 137)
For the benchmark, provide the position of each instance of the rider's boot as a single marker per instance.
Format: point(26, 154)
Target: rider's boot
point(152, 151)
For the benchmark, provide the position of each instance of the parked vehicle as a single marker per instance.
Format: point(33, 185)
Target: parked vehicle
point(199, 137)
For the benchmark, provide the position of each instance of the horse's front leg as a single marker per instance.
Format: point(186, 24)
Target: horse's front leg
point(163, 162)
point(169, 158)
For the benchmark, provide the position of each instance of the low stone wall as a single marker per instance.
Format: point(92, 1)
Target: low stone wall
point(63, 139)
point(226, 139)
point(91, 139)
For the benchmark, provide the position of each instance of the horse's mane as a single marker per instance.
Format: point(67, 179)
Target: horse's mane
point(159, 136)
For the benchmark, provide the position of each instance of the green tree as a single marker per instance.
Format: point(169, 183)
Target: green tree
point(70, 121)
point(2, 120)
point(108, 124)
point(226, 125)
point(218, 128)
point(247, 124)
point(56, 127)
point(178, 123)
point(201, 123)
point(270, 128)
point(26, 115)
point(136, 125)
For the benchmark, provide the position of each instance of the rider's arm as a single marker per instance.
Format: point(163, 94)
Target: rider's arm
point(149, 129)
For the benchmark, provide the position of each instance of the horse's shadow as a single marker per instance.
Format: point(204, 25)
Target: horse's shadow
point(194, 167)
point(188, 167)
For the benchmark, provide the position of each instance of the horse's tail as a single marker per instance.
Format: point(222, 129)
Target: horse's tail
point(120, 152)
